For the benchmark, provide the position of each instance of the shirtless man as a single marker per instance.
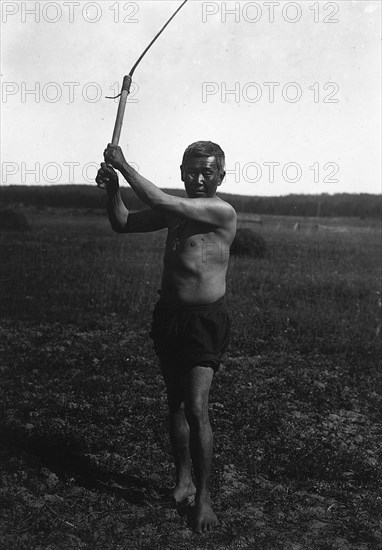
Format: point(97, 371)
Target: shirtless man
point(190, 322)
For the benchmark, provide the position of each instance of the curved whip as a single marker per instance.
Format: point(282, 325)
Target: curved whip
point(154, 39)
point(127, 84)
point(148, 47)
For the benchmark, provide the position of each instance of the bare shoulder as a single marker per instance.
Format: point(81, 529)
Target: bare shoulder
point(227, 209)
point(210, 210)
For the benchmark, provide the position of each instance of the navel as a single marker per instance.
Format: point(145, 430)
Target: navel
point(192, 243)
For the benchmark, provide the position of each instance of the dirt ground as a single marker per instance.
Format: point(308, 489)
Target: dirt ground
point(295, 408)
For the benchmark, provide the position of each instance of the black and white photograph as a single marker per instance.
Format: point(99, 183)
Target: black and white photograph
point(190, 233)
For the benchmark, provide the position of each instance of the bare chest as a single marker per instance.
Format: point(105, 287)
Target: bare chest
point(192, 242)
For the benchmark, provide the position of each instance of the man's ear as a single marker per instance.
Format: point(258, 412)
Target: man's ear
point(222, 176)
point(181, 172)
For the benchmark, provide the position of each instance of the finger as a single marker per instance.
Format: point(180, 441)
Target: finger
point(107, 168)
point(110, 172)
point(108, 159)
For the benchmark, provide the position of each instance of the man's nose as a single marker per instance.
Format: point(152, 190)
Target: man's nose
point(200, 178)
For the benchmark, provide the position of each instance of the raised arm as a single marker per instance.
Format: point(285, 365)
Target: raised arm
point(212, 211)
point(121, 219)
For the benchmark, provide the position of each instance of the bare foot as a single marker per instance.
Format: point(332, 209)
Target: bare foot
point(203, 518)
point(181, 493)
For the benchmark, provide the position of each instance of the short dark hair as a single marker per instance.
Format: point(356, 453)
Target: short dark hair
point(205, 149)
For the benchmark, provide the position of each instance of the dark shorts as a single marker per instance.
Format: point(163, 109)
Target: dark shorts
point(190, 336)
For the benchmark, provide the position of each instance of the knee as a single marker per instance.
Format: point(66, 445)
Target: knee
point(196, 412)
point(175, 406)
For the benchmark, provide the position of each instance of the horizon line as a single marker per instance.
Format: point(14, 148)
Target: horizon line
point(323, 193)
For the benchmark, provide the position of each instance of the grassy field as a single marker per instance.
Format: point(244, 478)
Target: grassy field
point(296, 407)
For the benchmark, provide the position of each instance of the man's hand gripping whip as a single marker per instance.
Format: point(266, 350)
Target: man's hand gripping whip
point(127, 84)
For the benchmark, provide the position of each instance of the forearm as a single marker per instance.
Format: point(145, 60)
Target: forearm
point(149, 193)
point(116, 210)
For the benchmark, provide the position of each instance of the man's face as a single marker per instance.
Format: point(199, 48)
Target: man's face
point(201, 177)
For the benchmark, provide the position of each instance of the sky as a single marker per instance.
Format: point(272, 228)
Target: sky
point(289, 90)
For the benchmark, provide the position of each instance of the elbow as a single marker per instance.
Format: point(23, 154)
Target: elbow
point(117, 227)
point(117, 223)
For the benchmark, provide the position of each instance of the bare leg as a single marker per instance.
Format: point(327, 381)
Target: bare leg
point(179, 437)
point(179, 432)
point(197, 387)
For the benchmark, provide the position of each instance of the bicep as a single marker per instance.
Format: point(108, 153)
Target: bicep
point(144, 221)
point(213, 212)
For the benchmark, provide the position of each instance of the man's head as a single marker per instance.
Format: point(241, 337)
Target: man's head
point(202, 169)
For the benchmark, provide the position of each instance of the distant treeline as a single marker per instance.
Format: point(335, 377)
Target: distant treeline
point(361, 205)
